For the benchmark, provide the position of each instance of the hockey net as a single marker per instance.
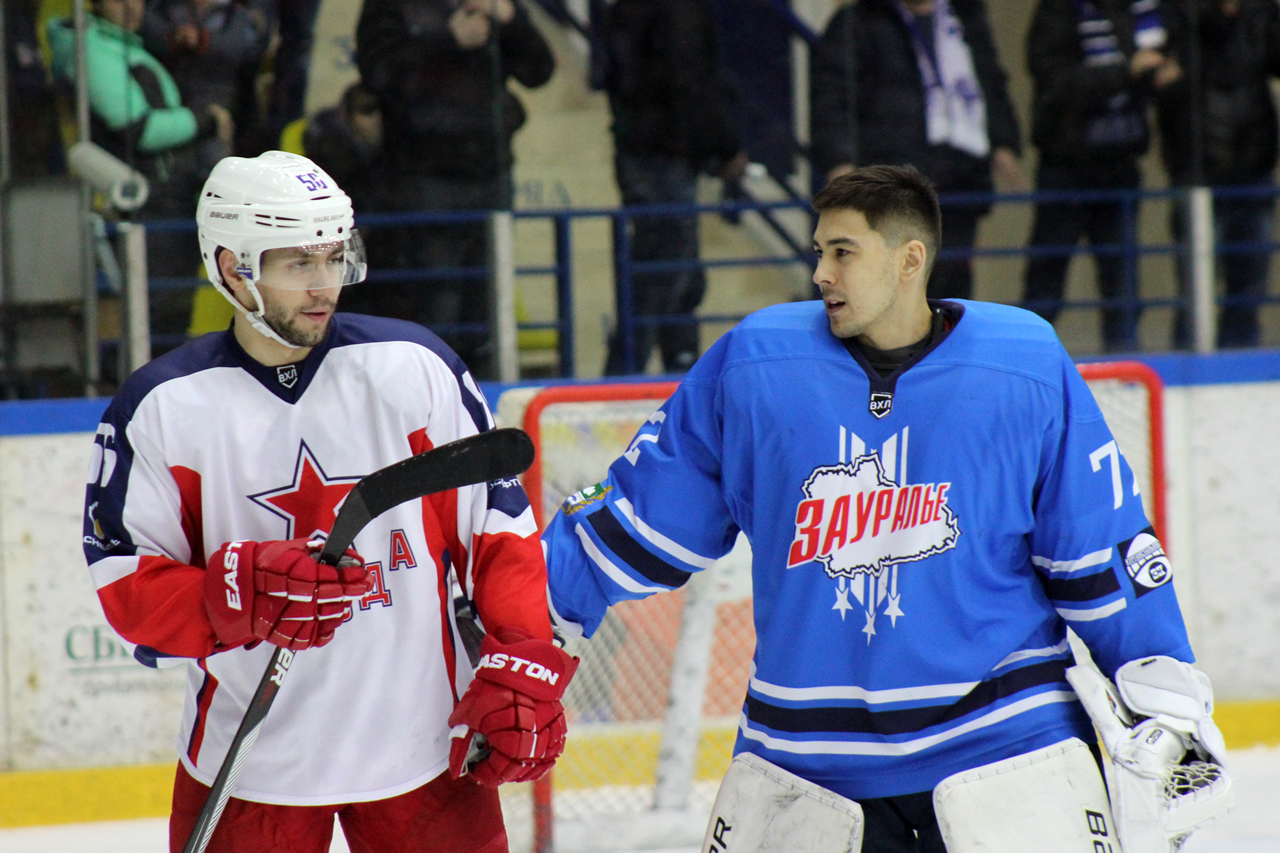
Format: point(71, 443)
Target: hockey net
point(653, 709)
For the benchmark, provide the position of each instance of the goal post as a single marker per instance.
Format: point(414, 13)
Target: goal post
point(1131, 396)
point(654, 707)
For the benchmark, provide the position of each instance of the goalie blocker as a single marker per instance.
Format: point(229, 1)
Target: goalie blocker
point(1165, 772)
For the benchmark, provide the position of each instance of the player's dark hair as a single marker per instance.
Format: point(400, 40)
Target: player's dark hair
point(898, 202)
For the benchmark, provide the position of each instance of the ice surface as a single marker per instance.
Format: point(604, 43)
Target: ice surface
point(1253, 826)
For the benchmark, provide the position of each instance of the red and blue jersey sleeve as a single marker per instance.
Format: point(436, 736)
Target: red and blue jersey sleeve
point(143, 541)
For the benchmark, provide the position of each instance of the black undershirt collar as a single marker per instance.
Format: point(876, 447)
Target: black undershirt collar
point(883, 367)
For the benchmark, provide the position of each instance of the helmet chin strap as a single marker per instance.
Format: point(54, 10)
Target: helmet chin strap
point(256, 317)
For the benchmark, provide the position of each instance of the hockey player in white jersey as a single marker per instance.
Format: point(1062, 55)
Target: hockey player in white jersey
point(932, 498)
point(217, 469)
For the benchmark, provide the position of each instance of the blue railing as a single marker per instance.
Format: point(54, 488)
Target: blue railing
point(626, 268)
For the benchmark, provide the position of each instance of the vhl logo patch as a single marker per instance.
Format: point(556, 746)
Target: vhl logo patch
point(1146, 563)
point(881, 403)
point(287, 375)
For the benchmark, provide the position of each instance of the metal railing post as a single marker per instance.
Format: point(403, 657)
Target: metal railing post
point(564, 292)
point(1200, 246)
point(625, 333)
point(502, 290)
point(1129, 286)
point(137, 311)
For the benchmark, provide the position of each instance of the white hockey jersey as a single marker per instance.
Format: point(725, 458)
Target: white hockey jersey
point(206, 445)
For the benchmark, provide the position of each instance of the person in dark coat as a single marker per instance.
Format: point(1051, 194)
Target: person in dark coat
point(672, 121)
point(1096, 65)
point(918, 82)
point(440, 70)
point(214, 50)
point(1239, 45)
point(35, 142)
point(346, 141)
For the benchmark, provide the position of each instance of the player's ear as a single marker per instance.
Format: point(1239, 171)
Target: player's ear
point(235, 282)
point(226, 262)
point(913, 259)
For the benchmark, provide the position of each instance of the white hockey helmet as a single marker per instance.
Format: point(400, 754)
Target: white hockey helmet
point(276, 200)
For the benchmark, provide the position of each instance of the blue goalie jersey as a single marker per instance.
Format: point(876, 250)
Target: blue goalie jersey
point(921, 541)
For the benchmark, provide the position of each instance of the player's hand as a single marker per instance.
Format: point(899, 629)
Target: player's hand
point(510, 726)
point(276, 591)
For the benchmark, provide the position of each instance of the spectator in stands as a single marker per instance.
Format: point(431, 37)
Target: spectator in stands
point(213, 49)
point(294, 24)
point(918, 82)
point(1239, 46)
point(346, 141)
point(36, 146)
point(137, 115)
point(1096, 65)
point(671, 120)
point(440, 70)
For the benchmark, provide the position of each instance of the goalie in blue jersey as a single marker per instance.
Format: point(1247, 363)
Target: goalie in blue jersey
point(932, 499)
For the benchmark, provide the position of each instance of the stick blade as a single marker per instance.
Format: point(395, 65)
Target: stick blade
point(481, 458)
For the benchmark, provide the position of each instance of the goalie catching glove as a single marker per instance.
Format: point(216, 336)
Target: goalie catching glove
point(276, 591)
point(509, 726)
point(1166, 774)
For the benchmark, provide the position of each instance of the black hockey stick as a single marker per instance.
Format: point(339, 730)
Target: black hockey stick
point(482, 458)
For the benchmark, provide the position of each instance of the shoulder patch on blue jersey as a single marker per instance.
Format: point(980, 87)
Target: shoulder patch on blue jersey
point(1145, 562)
point(582, 499)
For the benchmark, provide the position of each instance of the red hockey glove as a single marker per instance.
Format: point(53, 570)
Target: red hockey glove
point(512, 708)
point(276, 591)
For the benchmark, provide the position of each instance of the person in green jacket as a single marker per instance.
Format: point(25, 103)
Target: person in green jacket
point(137, 114)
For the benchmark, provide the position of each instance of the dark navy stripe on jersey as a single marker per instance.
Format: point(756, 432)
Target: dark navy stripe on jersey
point(148, 656)
point(508, 497)
point(616, 538)
point(1087, 588)
point(861, 720)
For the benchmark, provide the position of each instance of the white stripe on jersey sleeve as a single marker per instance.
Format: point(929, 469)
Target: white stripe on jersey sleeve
point(1047, 651)
point(111, 569)
point(615, 574)
point(1058, 567)
point(661, 542)
point(846, 747)
point(1095, 613)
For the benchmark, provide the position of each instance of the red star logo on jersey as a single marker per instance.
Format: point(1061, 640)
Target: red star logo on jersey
point(310, 503)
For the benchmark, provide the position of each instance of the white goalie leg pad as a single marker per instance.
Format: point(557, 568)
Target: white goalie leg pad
point(1164, 769)
point(1050, 801)
point(762, 808)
